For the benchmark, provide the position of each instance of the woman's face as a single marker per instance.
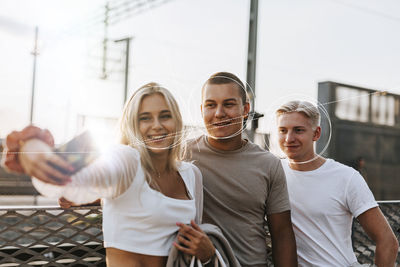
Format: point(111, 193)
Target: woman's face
point(156, 123)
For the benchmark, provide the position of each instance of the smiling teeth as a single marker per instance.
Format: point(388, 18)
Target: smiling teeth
point(157, 137)
point(221, 123)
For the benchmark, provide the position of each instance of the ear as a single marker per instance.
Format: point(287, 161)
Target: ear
point(317, 133)
point(201, 109)
point(246, 109)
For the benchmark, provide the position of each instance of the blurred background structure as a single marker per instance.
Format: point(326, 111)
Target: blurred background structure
point(365, 134)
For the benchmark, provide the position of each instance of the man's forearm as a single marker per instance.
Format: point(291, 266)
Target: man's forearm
point(283, 241)
point(378, 229)
point(386, 253)
point(284, 250)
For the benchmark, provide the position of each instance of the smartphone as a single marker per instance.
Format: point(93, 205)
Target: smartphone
point(79, 152)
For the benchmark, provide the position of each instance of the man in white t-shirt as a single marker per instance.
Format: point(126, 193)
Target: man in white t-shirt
point(325, 195)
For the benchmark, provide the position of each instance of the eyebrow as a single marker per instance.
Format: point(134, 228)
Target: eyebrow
point(162, 111)
point(230, 99)
point(225, 100)
point(295, 127)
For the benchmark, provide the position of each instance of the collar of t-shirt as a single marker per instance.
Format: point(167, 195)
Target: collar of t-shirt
point(320, 168)
point(244, 147)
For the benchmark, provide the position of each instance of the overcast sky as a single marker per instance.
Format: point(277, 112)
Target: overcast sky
point(179, 43)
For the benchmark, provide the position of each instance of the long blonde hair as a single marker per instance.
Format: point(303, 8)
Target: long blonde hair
point(130, 133)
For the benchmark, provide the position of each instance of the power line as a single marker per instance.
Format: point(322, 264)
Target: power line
point(368, 10)
point(120, 12)
point(132, 9)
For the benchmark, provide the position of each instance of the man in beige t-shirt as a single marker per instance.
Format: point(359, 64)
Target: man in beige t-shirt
point(242, 182)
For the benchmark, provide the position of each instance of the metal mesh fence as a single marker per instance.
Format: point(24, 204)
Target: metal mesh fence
point(364, 247)
point(51, 237)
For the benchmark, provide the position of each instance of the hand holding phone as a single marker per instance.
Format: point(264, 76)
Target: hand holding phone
point(78, 152)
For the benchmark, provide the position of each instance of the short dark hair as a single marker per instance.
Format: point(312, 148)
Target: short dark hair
point(225, 78)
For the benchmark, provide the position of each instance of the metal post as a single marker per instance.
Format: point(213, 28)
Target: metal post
point(105, 41)
point(35, 54)
point(251, 62)
point(127, 42)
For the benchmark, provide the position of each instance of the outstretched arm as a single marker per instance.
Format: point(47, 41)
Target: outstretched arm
point(283, 241)
point(37, 159)
point(378, 229)
point(108, 176)
point(15, 139)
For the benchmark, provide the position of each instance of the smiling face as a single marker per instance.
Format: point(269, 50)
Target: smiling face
point(156, 123)
point(223, 110)
point(296, 136)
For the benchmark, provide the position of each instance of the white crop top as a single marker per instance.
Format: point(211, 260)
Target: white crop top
point(136, 218)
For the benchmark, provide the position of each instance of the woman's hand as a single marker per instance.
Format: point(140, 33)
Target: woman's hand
point(65, 204)
point(38, 159)
point(15, 139)
point(193, 241)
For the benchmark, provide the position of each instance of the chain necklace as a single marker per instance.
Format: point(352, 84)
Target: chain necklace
point(155, 183)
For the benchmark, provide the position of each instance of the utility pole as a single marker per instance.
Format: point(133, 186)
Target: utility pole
point(127, 41)
point(251, 66)
point(105, 41)
point(35, 54)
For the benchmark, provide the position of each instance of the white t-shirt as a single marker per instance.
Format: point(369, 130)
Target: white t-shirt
point(136, 218)
point(324, 202)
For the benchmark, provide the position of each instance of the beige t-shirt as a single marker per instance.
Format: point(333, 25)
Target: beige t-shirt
point(240, 188)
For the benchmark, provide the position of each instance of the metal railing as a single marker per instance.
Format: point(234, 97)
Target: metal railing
point(364, 247)
point(50, 236)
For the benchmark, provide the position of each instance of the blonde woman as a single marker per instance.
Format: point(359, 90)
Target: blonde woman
point(147, 190)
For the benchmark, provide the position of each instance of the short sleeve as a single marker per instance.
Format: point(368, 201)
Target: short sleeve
point(359, 197)
point(278, 197)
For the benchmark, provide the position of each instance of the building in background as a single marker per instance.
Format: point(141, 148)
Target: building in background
point(363, 123)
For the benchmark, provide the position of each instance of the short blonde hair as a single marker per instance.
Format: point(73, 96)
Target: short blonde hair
point(130, 133)
point(305, 107)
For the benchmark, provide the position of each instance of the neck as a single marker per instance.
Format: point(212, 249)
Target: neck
point(228, 144)
point(313, 164)
point(159, 162)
